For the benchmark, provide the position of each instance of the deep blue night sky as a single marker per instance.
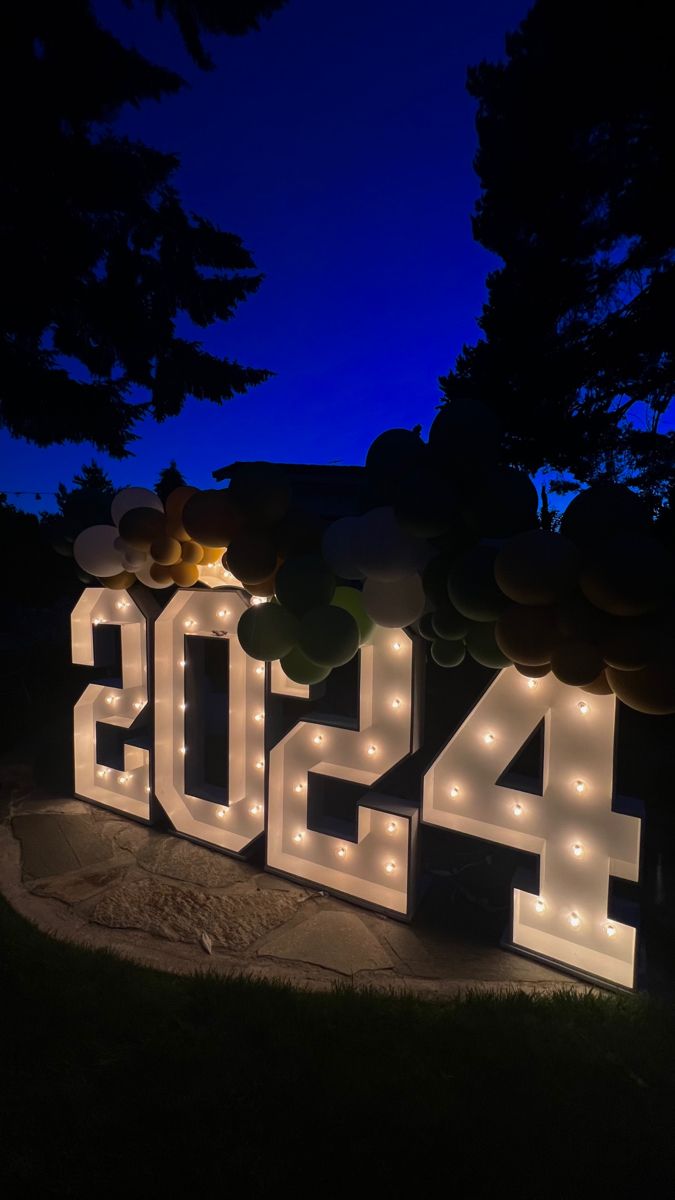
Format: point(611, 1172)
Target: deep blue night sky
point(338, 143)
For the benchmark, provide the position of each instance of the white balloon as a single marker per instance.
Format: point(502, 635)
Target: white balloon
point(338, 548)
point(133, 558)
point(133, 498)
point(383, 552)
point(143, 576)
point(394, 605)
point(94, 551)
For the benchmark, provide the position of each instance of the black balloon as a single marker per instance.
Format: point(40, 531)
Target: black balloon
point(537, 567)
point(329, 636)
point(449, 624)
point(651, 690)
point(448, 654)
point(527, 635)
point(602, 511)
point(471, 585)
point(576, 663)
point(482, 646)
point(251, 557)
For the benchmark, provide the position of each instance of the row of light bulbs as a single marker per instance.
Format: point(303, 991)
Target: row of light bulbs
point(574, 919)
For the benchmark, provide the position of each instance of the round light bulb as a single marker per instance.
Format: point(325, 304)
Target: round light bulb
point(390, 867)
point(396, 703)
point(259, 717)
point(182, 662)
point(579, 786)
point(539, 906)
point(488, 737)
point(577, 850)
point(532, 683)
point(454, 791)
point(372, 750)
point(610, 930)
point(574, 920)
point(583, 707)
point(222, 612)
point(341, 852)
point(260, 764)
point(299, 787)
point(517, 810)
point(260, 670)
point(317, 739)
point(255, 808)
point(221, 812)
point(122, 778)
point(391, 827)
point(396, 645)
point(122, 604)
point(297, 837)
point(182, 706)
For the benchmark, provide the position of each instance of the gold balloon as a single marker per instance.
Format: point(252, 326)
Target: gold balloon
point(192, 552)
point(160, 573)
point(176, 529)
point(213, 556)
point(141, 526)
point(123, 579)
point(176, 500)
point(166, 550)
point(184, 574)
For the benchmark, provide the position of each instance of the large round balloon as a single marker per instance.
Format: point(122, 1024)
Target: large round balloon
point(177, 499)
point(133, 558)
point(161, 575)
point(599, 686)
point(425, 627)
point(141, 526)
point(338, 547)
point(472, 587)
point(329, 636)
point(94, 550)
point(528, 635)
point(383, 551)
point(576, 663)
point(448, 623)
point(265, 588)
point(268, 631)
point(629, 574)
point(463, 436)
point(537, 567)
point(601, 512)
point(351, 599)
point(537, 672)
point(629, 645)
point(651, 690)
point(448, 654)
point(192, 552)
point(482, 646)
point(301, 669)
point(394, 605)
point(435, 580)
point(500, 503)
point(425, 504)
point(261, 492)
point(251, 556)
point(211, 518)
point(133, 497)
point(392, 456)
point(304, 583)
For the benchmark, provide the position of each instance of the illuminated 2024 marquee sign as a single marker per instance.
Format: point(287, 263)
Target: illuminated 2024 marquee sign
point(579, 838)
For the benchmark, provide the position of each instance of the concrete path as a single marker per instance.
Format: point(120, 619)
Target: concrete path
point(89, 876)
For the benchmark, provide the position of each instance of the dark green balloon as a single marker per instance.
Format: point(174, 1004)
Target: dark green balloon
point(481, 644)
point(425, 628)
point(472, 587)
point(449, 624)
point(448, 654)
point(268, 631)
point(329, 636)
point(301, 670)
point(304, 583)
point(351, 600)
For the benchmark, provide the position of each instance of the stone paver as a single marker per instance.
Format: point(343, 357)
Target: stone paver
point(79, 885)
point(183, 913)
point(337, 941)
point(53, 843)
point(180, 859)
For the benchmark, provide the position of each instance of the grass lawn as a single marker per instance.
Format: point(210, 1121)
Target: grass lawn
point(118, 1080)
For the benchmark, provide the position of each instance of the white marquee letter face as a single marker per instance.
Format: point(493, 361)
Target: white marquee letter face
point(580, 840)
point(237, 819)
point(377, 867)
point(128, 789)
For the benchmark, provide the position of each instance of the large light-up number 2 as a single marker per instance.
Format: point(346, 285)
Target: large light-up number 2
point(376, 868)
point(126, 789)
point(580, 839)
point(237, 817)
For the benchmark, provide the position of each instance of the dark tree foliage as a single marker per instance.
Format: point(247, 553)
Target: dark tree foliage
point(576, 162)
point(100, 261)
point(169, 478)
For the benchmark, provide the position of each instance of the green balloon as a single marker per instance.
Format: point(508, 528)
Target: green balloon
point(425, 628)
point(448, 654)
point(267, 631)
point(351, 600)
point(304, 582)
point(329, 635)
point(471, 585)
point(481, 644)
point(449, 624)
point(301, 670)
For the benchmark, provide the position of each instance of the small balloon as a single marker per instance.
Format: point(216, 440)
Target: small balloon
point(482, 646)
point(160, 574)
point(394, 605)
point(192, 552)
point(449, 624)
point(447, 653)
point(166, 550)
point(301, 669)
point(268, 631)
point(184, 574)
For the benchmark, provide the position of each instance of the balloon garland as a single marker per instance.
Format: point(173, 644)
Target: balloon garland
point(448, 544)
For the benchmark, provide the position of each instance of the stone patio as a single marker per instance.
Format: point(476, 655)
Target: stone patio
point(86, 875)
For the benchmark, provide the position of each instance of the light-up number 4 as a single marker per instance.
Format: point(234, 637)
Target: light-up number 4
point(572, 826)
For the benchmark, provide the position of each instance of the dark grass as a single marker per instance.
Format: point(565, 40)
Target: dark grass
point(122, 1081)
